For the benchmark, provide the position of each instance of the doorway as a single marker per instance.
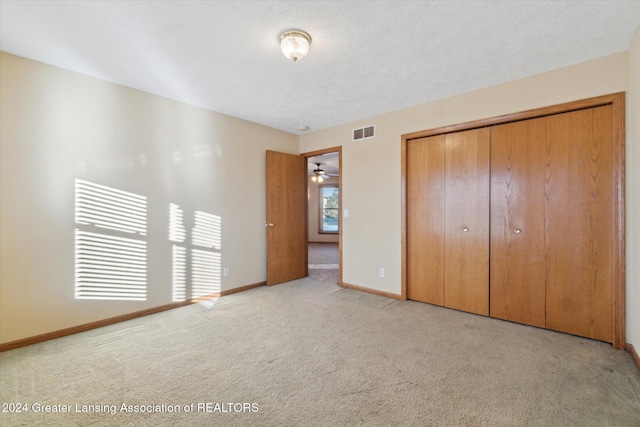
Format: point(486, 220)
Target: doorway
point(324, 202)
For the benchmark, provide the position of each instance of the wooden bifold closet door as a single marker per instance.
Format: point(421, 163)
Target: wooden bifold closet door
point(448, 220)
point(581, 229)
point(519, 221)
point(553, 223)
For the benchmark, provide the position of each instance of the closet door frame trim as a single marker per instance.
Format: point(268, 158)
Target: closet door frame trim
point(617, 101)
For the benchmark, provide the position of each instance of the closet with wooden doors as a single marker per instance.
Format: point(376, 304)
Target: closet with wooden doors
point(522, 219)
point(448, 187)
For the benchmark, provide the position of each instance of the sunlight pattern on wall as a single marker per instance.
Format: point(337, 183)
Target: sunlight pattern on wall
point(179, 273)
point(207, 230)
point(206, 266)
point(109, 267)
point(107, 264)
point(106, 207)
point(195, 271)
point(205, 272)
point(177, 232)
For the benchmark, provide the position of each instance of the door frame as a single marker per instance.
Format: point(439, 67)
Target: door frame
point(617, 101)
point(319, 153)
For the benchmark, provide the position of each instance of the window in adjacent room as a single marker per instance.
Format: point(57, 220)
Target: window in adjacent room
point(329, 208)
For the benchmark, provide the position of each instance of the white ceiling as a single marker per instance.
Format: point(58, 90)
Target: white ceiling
point(328, 162)
point(366, 58)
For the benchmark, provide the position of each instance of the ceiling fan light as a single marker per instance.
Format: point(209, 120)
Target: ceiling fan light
point(314, 178)
point(320, 179)
point(295, 44)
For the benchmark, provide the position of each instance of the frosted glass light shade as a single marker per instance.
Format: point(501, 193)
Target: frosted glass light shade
point(295, 44)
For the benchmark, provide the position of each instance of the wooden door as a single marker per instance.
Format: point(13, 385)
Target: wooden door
point(286, 217)
point(466, 221)
point(517, 279)
point(581, 230)
point(425, 219)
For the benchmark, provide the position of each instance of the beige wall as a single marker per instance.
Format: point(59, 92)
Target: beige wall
point(56, 126)
point(313, 198)
point(633, 195)
point(371, 235)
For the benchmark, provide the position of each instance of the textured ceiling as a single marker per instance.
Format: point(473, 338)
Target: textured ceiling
point(366, 58)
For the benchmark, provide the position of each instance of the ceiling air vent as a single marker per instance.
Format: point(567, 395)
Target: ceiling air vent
point(364, 133)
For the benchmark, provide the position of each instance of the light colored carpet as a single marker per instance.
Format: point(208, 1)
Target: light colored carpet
point(309, 353)
point(323, 262)
point(323, 253)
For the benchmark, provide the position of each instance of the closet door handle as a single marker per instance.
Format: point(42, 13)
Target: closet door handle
point(517, 230)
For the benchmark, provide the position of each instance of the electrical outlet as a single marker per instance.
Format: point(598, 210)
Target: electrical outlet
point(225, 271)
point(382, 272)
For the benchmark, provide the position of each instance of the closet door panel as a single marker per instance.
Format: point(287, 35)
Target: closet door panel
point(425, 220)
point(466, 260)
point(580, 223)
point(517, 279)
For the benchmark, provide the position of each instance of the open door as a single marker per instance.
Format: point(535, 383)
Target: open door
point(286, 217)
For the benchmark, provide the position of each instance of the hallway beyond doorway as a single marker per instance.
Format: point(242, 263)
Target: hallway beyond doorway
point(323, 262)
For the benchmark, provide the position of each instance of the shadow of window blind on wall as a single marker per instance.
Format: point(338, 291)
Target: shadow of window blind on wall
point(110, 243)
point(178, 234)
point(202, 261)
point(206, 264)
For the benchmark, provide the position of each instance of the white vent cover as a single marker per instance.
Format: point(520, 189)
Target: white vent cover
point(366, 132)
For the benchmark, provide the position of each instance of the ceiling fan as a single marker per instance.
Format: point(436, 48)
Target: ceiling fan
point(320, 175)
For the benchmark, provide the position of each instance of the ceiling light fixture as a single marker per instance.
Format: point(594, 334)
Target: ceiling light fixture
point(295, 44)
point(318, 174)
